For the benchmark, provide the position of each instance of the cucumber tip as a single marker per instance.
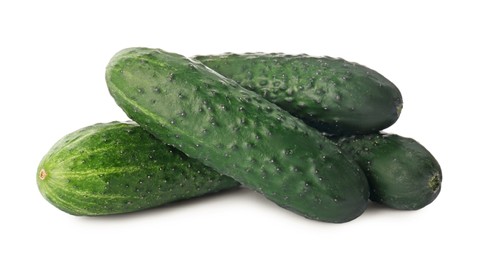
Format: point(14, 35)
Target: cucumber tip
point(435, 182)
point(42, 174)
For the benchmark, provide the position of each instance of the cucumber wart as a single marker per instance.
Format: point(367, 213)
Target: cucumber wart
point(119, 167)
point(238, 133)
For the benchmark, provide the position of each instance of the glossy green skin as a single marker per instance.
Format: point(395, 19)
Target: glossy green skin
point(401, 172)
point(119, 167)
point(333, 95)
point(358, 101)
point(238, 133)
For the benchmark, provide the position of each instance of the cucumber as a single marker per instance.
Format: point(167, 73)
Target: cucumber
point(401, 172)
point(333, 95)
point(395, 179)
point(238, 133)
point(118, 167)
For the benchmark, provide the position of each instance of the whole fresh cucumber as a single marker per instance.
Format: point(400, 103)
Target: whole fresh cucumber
point(238, 133)
point(332, 95)
point(401, 172)
point(119, 167)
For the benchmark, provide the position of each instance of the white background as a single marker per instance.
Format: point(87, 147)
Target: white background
point(52, 60)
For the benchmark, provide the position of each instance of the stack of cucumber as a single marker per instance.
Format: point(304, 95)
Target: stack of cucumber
point(303, 131)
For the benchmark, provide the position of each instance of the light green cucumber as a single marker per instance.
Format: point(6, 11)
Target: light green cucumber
point(118, 167)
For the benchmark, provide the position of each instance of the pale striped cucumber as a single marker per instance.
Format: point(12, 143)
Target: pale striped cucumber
point(119, 167)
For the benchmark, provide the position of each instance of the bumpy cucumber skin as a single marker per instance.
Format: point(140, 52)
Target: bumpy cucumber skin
point(401, 172)
point(118, 167)
point(238, 133)
point(340, 97)
point(333, 95)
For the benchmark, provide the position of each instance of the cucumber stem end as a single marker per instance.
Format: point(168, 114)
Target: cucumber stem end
point(435, 182)
point(42, 174)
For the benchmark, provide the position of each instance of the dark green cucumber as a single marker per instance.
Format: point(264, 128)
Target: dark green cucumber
point(401, 172)
point(283, 79)
point(332, 95)
point(119, 167)
point(238, 133)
